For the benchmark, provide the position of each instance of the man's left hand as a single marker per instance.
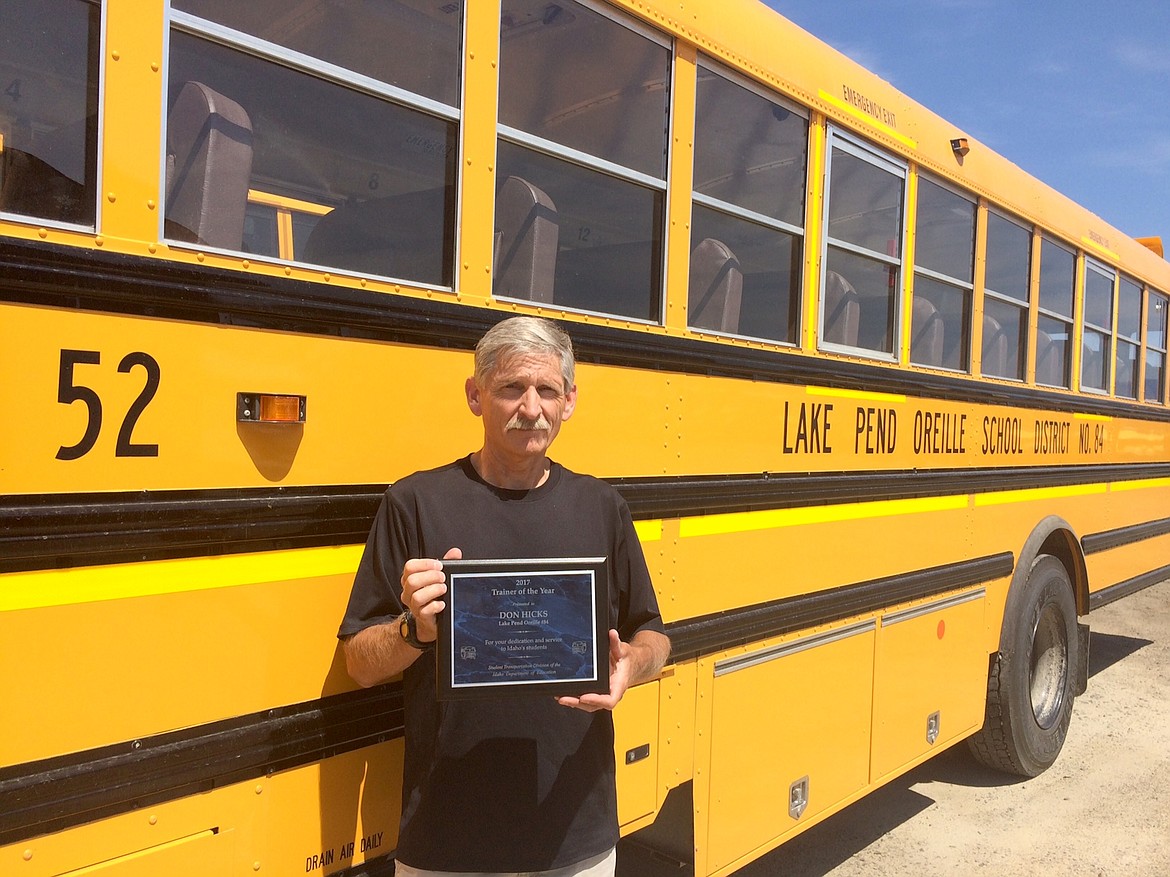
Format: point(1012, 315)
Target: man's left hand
point(629, 664)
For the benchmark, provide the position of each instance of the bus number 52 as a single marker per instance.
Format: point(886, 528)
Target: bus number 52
point(70, 391)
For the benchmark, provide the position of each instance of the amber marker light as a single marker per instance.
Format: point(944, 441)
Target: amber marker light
point(269, 408)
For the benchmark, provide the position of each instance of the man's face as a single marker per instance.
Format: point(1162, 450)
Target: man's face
point(522, 403)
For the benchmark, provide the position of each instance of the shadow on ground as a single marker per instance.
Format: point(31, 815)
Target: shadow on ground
point(1106, 649)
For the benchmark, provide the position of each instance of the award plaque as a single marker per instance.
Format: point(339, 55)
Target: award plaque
point(524, 627)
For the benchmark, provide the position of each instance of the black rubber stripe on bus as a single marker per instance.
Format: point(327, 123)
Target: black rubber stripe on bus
point(40, 273)
point(46, 796)
point(1129, 586)
point(1096, 542)
point(687, 496)
point(73, 530)
point(708, 634)
point(41, 797)
point(49, 531)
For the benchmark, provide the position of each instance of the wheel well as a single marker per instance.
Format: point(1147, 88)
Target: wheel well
point(1054, 536)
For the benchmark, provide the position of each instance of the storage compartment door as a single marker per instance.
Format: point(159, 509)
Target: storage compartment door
point(931, 683)
point(790, 735)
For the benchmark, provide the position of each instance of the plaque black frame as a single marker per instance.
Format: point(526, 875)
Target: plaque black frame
point(458, 674)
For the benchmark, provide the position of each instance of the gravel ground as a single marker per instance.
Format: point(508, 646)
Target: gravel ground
point(1103, 809)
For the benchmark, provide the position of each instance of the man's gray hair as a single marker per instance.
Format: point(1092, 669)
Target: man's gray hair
point(524, 335)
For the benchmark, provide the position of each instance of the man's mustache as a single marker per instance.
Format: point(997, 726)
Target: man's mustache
point(518, 422)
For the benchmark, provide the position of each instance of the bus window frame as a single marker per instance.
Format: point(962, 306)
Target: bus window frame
point(1068, 320)
point(1024, 305)
point(596, 164)
point(946, 279)
point(210, 31)
point(1130, 343)
point(1150, 294)
point(734, 211)
point(856, 146)
point(1107, 333)
point(98, 42)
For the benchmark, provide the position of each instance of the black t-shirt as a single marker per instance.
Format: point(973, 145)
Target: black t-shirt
point(518, 783)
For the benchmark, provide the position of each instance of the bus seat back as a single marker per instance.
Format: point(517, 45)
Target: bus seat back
point(927, 333)
point(527, 232)
point(1048, 364)
point(842, 311)
point(716, 287)
point(995, 348)
point(209, 166)
point(394, 236)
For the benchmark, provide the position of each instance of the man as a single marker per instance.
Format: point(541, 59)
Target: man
point(515, 784)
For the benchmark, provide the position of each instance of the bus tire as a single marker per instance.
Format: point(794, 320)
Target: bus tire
point(1031, 684)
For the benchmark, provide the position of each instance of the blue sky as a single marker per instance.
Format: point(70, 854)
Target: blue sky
point(1076, 93)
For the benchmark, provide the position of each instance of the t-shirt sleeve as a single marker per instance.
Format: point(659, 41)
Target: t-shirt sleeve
point(375, 597)
point(637, 602)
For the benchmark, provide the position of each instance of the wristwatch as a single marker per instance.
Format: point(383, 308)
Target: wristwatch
point(408, 630)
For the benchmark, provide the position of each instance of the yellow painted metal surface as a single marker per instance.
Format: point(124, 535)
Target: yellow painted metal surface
point(358, 407)
point(809, 712)
point(930, 669)
point(131, 202)
point(782, 554)
point(681, 180)
point(160, 646)
point(1124, 562)
point(478, 185)
point(636, 732)
point(317, 819)
point(676, 727)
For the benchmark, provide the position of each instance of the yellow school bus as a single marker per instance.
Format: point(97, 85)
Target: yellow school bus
point(889, 413)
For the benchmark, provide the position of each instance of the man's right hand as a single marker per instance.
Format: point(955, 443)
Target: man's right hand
point(424, 584)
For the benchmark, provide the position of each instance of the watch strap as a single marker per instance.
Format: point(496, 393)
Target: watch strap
point(408, 630)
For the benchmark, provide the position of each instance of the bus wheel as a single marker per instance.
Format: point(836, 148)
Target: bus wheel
point(1030, 687)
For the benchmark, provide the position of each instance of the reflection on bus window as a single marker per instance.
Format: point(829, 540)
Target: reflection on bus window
point(1054, 329)
point(944, 278)
point(864, 252)
point(49, 57)
point(1129, 337)
point(1097, 335)
point(410, 44)
point(1155, 383)
point(241, 119)
point(261, 233)
point(747, 223)
point(1006, 298)
point(582, 160)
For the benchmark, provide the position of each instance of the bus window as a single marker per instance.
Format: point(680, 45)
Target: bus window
point(864, 245)
point(747, 226)
point(1054, 329)
point(1155, 388)
point(1005, 298)
point(583, 125)
point(49, 56)
point(380, 162)
point(1129, 328)
point(944, 277)
point(1097, 339)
